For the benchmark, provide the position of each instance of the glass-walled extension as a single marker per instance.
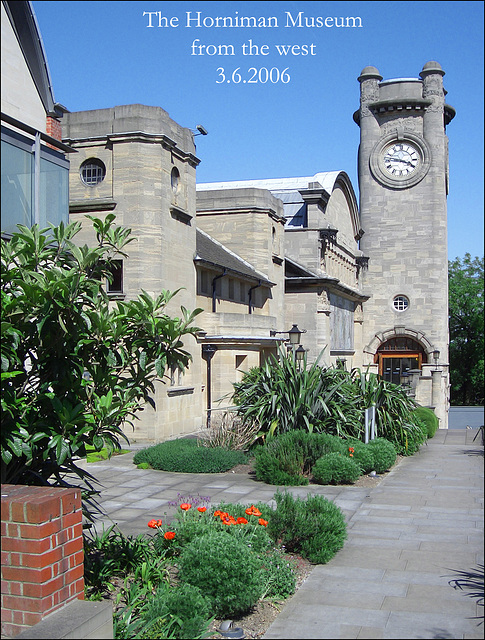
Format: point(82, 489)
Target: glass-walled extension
point(35, 183)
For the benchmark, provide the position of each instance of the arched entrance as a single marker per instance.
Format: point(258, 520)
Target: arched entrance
point(397, 356)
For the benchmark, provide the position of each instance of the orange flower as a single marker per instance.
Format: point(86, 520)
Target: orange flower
point(241, 521)
point(252, 511)
point(169, 535)
point(201, 509)
point(217, 513)
point(185, 506)
point(153, 524)
point(262, 522)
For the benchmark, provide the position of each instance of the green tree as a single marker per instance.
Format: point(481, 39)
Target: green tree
point(75, 367)
point(466, 330)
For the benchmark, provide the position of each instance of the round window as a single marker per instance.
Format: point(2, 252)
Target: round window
point(400, 303)
point(175, 179)
point(92, 172)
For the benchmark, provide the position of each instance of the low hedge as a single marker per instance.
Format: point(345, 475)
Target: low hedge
point(186, 455)
point(384, 453)
point(287, 459)
point(315, 527)
point(335, 468)
point(429, 418)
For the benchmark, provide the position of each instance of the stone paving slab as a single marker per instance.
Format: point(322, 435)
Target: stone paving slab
point(405, 536)
point(409, 533)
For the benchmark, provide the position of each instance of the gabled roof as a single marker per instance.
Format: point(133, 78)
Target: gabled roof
point(214, 254)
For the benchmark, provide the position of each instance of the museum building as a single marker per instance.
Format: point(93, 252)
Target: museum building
point(363, 282)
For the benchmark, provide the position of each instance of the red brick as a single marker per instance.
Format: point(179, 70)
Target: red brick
point(21, 574)
point(72, 547)
point(39, 531)
point(21, 603)
point(5, 510)
point(20, 545)
point(78, 588)
point(43, 509)
point(5, 586)
point(38, 561)
point(31, 618)
point(5, 557)
point(44, 589)
point(71, 501)
point(13, 530)
point(7, 615)
point(16, 588)
point(72, 519)
point(74, 574)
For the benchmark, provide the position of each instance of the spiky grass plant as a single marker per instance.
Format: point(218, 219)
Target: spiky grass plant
point(472, 582)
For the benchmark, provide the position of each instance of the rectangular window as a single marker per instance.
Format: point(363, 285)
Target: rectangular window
point(242, 292)
point(231, 288)
point(115, 283)
point(204, 282)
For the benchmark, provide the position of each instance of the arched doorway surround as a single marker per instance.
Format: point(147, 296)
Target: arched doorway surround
point(398, 351)
point(397, 356)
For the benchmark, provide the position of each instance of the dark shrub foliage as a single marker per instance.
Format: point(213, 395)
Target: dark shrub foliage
point(429, 418)
point(335, 468)
point(287, 459)
point(314, 527)
point(225, 570)
point(384, 454)
point(186, 605)
point(186, 456)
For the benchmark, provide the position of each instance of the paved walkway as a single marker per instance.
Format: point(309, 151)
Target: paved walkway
point(405, 536)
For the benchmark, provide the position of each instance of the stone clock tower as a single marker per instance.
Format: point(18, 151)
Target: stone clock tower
point(403, 181)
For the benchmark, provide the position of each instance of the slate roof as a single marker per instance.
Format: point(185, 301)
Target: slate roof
point(211, 252)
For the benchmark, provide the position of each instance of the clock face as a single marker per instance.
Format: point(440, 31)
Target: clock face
point(401, 159)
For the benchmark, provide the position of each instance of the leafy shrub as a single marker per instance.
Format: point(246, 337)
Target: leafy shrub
point(185, 455)
point(288, 458)
point(361, 454)
point(225, 570)
point(184, 607)
point(412, 439)
point(429, 418)
point(279, 575)
point(282, 396)
point(384, 454)
point(334, 468)
point(314, 527)
point(95, 364)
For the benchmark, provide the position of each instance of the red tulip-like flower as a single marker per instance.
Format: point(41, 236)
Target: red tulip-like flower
point(201, 509)
point(185, 506)
point(241, 521)
point(153, 524)
point(262, 522)
point(169, 535)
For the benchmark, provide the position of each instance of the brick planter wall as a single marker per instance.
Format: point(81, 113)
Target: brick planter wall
point(42, 553)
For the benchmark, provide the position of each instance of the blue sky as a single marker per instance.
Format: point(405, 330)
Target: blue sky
point(297, 123)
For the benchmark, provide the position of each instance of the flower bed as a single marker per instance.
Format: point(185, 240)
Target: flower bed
point(227, 562)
